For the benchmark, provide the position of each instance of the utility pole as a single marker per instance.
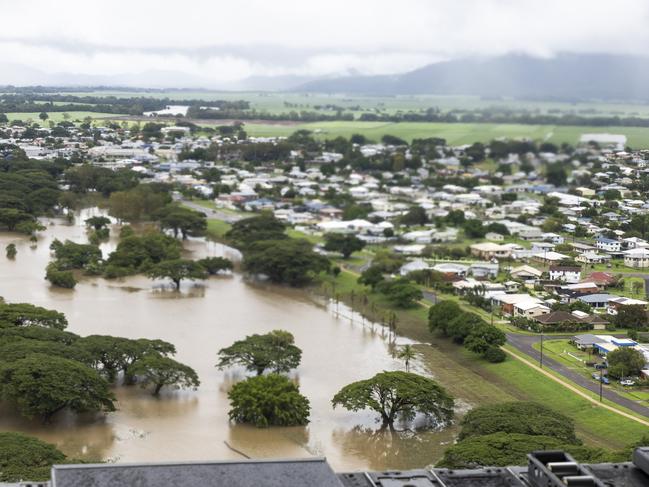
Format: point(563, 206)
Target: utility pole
point(541, 358)
point(601, 383)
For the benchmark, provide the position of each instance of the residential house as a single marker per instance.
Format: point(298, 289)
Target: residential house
point(525, 272)
point(608, 244)
point(636, 257)
point(616, 303)
point(519, 304)
point(488, 250)
point(593, 258)
point(549, 257)
point(484, 270)
point(596, 300)
point(412, 266)
point(602, 279)
point(565, 274)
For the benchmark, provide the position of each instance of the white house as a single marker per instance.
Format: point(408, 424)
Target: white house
point(567, 274)
point(638, 257)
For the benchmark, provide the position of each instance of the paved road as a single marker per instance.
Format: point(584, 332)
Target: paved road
point(524, 343)
point(216, 214)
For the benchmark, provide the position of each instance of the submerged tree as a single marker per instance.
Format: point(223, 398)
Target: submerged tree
point(25, 314)
point(177, 270)
point(11, 251)
point(274, 351)
point(268, 400)
point(42, 385)
point(406, 353)
point(397, 395)
point(159, 371)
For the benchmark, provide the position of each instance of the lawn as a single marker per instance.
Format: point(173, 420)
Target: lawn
point(217, 228)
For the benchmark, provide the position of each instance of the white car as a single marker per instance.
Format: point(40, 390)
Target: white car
point(627, 382)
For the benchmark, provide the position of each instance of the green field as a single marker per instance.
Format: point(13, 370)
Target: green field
point(58, 116)
point(454, 133)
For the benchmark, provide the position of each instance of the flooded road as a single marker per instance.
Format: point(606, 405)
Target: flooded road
point(199, 320)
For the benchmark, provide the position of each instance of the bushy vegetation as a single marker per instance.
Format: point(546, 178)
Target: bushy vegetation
point(478, 336)
point(268, 400)
point(503, 434)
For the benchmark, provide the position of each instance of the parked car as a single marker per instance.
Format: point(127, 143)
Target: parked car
point(603, 365)
point(627, 382)
point(603, 378)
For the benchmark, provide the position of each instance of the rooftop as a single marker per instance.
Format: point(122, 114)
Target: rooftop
point(544, 469)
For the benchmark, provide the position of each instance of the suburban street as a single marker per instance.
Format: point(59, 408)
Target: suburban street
point(525, 344)
point(215, 214)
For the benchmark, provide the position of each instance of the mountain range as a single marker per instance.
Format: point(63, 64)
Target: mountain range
point(563, 77)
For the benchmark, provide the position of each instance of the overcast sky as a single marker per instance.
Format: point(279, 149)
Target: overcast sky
point(212, 43)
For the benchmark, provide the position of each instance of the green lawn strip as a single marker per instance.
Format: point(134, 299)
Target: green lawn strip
point(597, 426)
point(293, 233)
point(217, 228)
point(633, 288)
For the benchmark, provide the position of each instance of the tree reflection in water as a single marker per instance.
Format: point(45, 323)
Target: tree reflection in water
point(384, 449)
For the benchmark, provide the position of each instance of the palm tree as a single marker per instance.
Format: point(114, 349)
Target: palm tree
point(407, 353)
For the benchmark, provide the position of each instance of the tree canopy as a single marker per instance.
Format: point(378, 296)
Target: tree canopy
point(24, 457)
point(176, 270)
point(527, 418)
point(291, 261)
point(497, 450)
point(268, 400)
point(25, 314)
point(159, 371)
point(344, 244)
point(183, 221)
point(441, 314)
point(274, 351)
point(401, 292)
point(258, 228)
point(42, 385)
point(214, 265)
point(397, 395)
point(625, 362)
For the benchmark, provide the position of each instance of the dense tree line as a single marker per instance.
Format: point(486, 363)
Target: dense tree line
point(44, 102)
point(268, 251)
point(469, 329)
point(28, 189)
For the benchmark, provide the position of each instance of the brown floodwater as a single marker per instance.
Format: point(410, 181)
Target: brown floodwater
point(199, 320)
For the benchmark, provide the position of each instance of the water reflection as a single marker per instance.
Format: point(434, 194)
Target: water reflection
point(399, 449)
point(339, 346)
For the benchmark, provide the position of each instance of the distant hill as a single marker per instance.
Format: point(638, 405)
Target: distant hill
point(564, 77)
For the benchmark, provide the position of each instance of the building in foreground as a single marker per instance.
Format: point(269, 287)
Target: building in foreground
point(544, 469)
